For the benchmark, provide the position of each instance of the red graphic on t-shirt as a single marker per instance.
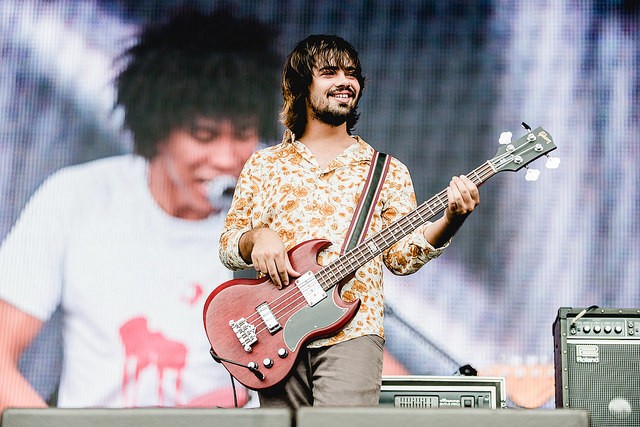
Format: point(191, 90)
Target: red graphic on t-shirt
point(146, 349)
point(193, 295)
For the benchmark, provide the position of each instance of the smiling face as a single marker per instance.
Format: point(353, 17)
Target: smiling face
point(333, 95)
point(188, 160)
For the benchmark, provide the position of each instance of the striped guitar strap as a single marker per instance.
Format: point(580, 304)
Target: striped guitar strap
point(368, 199)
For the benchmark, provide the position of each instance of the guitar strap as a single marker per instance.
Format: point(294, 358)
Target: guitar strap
point(368, 199)
point(363, 213)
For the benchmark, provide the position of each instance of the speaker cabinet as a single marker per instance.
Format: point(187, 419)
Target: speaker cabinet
point(597, 363)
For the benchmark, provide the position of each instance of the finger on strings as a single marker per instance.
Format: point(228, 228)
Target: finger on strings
point(274, 274)
point(281, 269)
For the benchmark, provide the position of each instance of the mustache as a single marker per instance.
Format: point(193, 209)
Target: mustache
point(343, 88)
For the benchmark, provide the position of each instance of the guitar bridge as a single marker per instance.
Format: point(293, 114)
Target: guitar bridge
point(311, 289)
point(245, 332)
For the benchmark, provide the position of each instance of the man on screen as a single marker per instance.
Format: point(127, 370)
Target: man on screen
point(126, 245)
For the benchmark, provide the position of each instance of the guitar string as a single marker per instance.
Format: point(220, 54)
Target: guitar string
point(283, 298)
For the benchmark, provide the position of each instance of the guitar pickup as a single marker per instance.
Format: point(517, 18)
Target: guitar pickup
point(311, 289)
point(268, 318)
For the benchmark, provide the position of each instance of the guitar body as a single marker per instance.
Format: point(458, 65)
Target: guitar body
point(299, 323)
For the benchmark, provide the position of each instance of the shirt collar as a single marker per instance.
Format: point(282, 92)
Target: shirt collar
point(357, 153)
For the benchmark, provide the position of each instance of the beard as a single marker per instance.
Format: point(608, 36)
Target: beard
point(331, 114)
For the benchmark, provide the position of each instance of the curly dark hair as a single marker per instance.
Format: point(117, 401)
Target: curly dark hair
point(198, 65)
point(315, 51)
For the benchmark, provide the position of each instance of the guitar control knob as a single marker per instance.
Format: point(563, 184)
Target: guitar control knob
point(252, 365)
point(267, 362)
point(282, 353)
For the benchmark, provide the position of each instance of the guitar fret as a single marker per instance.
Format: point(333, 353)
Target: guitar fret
point(321, 278)
point(476, 178)
point(371, 246)
point(384, 242)
point(394, 236)
point(351, 264)
point(363, 257)
point(356, 256)
point(487, 170)
point(335, 274)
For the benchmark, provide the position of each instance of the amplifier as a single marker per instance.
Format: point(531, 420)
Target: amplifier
point(597, 363)
point(443, 392)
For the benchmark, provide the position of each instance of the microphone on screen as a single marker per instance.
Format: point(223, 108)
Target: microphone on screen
point(220, 192)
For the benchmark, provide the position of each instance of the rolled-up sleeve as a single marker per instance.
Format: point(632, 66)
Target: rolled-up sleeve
point(239, 218)
point(410, 253)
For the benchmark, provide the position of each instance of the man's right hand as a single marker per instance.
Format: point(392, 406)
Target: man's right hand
point(266, 251)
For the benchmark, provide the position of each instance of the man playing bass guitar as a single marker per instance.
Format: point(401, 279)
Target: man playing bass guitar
point(307, 188)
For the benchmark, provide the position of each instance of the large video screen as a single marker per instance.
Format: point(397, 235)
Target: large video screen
point(444, 79)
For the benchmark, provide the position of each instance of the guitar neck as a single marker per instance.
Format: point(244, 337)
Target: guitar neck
point(339, 269)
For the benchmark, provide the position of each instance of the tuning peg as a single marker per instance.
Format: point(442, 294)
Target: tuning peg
point(552, 162)
point(505, 138)
point(532, 174)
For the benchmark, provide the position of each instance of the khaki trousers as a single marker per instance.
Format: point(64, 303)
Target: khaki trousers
point(345, 374)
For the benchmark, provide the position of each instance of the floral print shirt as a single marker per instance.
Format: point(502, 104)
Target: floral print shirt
point(283, 188)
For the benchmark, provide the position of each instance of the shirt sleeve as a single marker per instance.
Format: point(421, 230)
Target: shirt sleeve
point(413, 251)
point(238, 220)
point(32, 255)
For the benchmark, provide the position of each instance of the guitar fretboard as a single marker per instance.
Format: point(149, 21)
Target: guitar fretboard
point(339, 269)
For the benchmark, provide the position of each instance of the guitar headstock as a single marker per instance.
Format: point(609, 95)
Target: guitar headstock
point(514, 155)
